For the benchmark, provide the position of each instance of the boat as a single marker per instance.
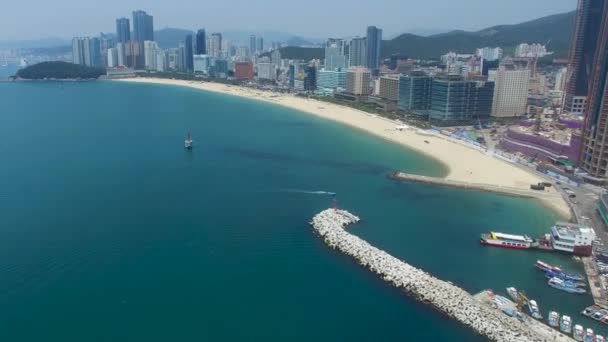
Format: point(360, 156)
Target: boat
point(578, 334)
point(599, 338)
point(565, 286)
point(589, 335)
point(546, 267)
point(553, 319)
point(188, 141)
point(565, 276)
point(534, 310)
point(512, 292)
point(506, 240)
point(565, 324)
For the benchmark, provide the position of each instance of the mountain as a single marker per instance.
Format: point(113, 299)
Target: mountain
point(555, 30)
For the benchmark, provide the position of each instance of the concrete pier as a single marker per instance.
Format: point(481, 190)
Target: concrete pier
point(551, 198)
point(445, 297)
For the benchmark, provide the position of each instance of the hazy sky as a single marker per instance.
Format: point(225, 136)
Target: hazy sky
point(29, 19)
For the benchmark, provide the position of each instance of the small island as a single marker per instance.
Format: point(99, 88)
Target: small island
point(59, 70)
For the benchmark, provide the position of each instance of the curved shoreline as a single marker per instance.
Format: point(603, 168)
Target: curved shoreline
point(463, 164)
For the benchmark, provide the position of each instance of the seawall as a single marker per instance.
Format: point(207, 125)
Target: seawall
point(445, 297)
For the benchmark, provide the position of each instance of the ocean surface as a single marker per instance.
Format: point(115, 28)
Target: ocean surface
point(111, 231)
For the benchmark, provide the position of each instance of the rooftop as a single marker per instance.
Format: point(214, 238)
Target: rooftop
point(571, 230)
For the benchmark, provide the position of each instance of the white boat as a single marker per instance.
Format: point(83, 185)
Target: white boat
point(599, 338)
point(578, 334)
point(565, 324)
point(589, 335)
point(188, 141)
point(553, 319)
point(513, 293)
point(534, 310)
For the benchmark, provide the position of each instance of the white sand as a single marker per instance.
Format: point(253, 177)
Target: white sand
point(464, 164)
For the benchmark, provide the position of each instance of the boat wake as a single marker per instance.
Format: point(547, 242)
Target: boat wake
point(308, 192)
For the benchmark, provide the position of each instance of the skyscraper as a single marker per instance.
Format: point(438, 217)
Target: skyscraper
point(188, 54)
point(215, 47)
point(594, 158)
point(78, 50)
point(150, 49)
point(201, 42)
point(253, 44)
point(143, 26)
point(510, 90)
point(582, 53)
point(94, 52)
point(123, 30)
point(357, 52)
point(334, 56)
point(374, 46)
point(260, 45)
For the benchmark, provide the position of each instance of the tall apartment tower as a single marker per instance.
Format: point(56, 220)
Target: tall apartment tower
point(123, 30)
point(201, 42)
point(357, 52)
point(594, 156)
point(374, 47)
point(582, 53)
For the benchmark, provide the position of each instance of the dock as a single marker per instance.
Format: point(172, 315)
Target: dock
point(595, 284)
point(444, 296)
point(553, 200)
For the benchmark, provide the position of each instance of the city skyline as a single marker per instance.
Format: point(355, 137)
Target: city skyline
point(404, 17)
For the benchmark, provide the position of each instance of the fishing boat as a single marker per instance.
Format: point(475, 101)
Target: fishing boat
point(565, 276)
point(546, 267)
point(550, 275)
point(553, 319)
point(589, 335)
point(512, 292)
point(188, 141)
point(565, 286)
point(599, 338)
point(579, 333)
point(534, 310)
point(565, 324)
point(506, 240)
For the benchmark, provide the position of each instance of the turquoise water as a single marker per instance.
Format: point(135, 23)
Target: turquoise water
point(110, 230)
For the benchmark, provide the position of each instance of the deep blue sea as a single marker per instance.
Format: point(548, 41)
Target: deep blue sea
point(111, 231)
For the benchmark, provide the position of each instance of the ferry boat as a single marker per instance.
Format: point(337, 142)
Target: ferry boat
point(506, 240)
point(553, 319)
point(534, 310)
point(188, 141)
point(546, 267)
point(578, 334)
point(512, 292)
point(565, 324)
point(565, 276)
point(565, 286)
point(589, 335)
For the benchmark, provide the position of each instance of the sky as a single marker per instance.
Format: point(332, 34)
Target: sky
point(34, 19)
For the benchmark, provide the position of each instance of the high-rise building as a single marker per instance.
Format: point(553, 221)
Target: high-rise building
point(594, 158)
point(331, 80)
point(189, 53)
point(123, 30)
point(260, 45)
point(560, 79)
point(374, 47)
point(201, 42)
point(357, 52)
point(357, 81)
point(334, 57)
point(582, 52)
point(95, 52)
point(490, 53)
point(253, 44)
point(310, 79)
point(389, 87)
point(454, 99)
point(291, 74)
point(266, 70)
point(415, 93)
point(150, 50)
point(510, 91)
point(120, 53)
point(112, 59)
point(201, 63)
point(243, 71)
point(215, 45)
point(86, 51)
point(143, 26)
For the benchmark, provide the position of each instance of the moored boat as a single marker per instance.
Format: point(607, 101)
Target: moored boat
point(565, 276)
point(565, 286)
point(546, 267)
point(512, 292)
point(579, 333)
point(589, 335)
point(506, 240)
point(599, 338)
point(553, 319)
point(534, 310)
point(565, 324)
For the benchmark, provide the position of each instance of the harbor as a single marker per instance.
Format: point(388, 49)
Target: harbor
point(449, 299)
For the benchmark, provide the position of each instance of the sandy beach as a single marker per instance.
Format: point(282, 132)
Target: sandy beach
point(464, 164)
